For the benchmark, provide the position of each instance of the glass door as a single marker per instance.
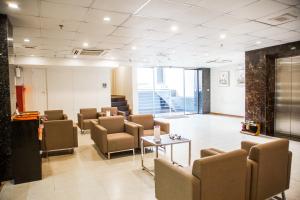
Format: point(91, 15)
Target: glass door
point(192, 91)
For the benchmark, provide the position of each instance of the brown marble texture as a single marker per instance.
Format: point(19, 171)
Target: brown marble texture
point(260, 82)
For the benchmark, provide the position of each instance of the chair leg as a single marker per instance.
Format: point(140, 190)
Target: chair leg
point(283, 196)
point(108, 155)
point(133, 151)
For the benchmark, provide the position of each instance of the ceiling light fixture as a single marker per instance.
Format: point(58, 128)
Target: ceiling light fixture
point(10, 39)
point(174, 28)
point(106, 19)
point(13, 5)
point(258, 42)
point(133, 47)
point(31, 55)
point(222, 36)
point(74, 56)
point(85, 44)
point(26, 40)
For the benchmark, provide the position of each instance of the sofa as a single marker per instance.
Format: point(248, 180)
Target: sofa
point(146, 124)
point(55, 115)
point(270, 165)
point(86, 116)
point(219, 177)
point(59, 135)
point(112, 134)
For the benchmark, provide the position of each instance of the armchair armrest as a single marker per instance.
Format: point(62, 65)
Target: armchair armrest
point(132, 129)
point(75, 136)
point(289, 170)
point(101, 138)
point(80, 120)
point(246, 145)
point(65, 116)
point(172, 182)
point(121, 113)
point(210, 152)
point(164, 126)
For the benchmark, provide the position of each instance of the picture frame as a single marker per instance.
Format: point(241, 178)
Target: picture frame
point(240, 77)
point(224, 79)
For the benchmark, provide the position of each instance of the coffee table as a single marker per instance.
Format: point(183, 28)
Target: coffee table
point(165, 141)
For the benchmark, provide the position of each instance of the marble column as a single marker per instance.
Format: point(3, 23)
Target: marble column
point(5, 107)
point(260, 83)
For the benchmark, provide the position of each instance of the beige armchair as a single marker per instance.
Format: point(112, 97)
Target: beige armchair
point(55, 115)
point(113, 134)
point(146, 125)
point(219, 177)
point(86, 116)
point(270, 167)
point(113, 111)
point(59, 135)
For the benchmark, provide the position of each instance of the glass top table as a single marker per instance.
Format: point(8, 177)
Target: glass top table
point(165, 140)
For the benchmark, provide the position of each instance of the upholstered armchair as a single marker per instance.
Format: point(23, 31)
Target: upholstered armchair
point(270, 165)
point(146, 125)
point(59, 135)
point(113, 111)
point(55, 115)
point(85, 117)
point(113, 134)
point(218, 177)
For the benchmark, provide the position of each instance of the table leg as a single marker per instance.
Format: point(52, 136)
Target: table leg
point(190, 149)
point(172, 153)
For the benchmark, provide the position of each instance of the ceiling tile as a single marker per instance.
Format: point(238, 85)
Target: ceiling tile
point(58, 34)
point(26, 32)
point(85, 3)
point(268, 33)
point(259, 9)
point(248, 27)
point(53, 24)
point(110, 45)
point(118, 39)
point(97, 16)
point(128, 6)
point(294, 25)
point(62, 11)
point(225, 21)
point(25, 21)
point(95, 28)
point(289, 2)
point(292, 11)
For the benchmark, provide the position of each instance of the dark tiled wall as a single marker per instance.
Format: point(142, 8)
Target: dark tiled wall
point(5, 112)
point(260, 82)
point(206, 90)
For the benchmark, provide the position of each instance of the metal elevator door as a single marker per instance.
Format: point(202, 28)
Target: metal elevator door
point(287, 97)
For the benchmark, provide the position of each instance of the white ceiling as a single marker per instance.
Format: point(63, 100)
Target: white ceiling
point(146, 24)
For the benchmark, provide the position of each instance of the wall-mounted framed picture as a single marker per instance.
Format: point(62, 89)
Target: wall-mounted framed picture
point(240, 77)
point(224, 80)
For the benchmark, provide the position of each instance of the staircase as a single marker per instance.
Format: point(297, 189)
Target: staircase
point(120, 102)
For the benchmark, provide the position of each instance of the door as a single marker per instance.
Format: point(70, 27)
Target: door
point(295, 106)
point(192, 91)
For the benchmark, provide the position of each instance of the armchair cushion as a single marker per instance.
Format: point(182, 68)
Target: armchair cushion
point(55, 114)
point(120, 141)
point(146, 121)
point(89, 113)
point(114, 124)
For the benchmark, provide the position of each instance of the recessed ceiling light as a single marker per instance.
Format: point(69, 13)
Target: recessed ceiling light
point(85, 44)
point(222, 36)
point(258, 42)
point(106, 19)
point(10, 39)
point(174, 28)
point(13, 5)
point(26, 40)
point(133, 47)
point(293, 48)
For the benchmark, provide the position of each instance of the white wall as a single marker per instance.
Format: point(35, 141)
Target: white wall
point(67, 88)
point(227, 100)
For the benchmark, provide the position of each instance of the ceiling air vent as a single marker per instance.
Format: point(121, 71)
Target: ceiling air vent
point(87, 52)
point(284, 18)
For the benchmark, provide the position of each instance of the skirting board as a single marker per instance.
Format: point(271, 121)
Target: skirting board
point(226, 115)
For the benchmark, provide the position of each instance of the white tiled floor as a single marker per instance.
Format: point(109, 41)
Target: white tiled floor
point(86, 175)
